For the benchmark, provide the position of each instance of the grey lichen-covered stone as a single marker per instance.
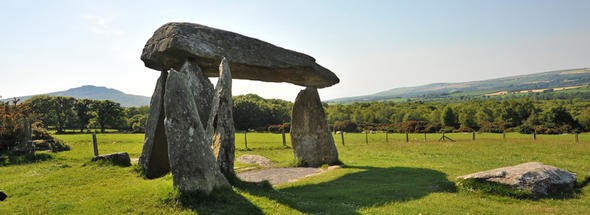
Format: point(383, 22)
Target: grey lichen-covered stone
point(119, 158)
point(540, 179)
point(194, 168)
point(249, 58)
point(202, 85)
point(154, 158)
point(312, 141)
point(224, 135)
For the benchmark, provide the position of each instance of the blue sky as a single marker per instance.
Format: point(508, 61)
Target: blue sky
point(371, 45)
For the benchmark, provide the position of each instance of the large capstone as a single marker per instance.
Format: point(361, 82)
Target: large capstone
point(154, 157)
point(313, 144)
point(539, 179)
point(194, 168)
point(224, 136)
point(249, 58)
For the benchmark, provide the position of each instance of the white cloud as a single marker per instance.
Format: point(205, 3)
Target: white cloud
point(102, 26)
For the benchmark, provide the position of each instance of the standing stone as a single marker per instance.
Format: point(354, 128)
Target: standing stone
point(154, 158)
point(193, 164)
point(223, 139)
point(204, 87)
point(313, 144)
point(24, 144)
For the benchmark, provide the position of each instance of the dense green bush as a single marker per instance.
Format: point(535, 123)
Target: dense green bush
point(346, 126)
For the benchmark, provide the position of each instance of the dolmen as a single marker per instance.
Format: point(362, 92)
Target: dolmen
point(190, 129)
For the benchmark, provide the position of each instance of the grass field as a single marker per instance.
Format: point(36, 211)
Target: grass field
point(378, 178)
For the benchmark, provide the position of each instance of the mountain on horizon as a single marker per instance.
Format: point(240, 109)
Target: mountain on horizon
point(98, 93)
point(521, 83)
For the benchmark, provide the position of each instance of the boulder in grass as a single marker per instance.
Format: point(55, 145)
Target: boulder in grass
point(534, 179)
point(119, 159)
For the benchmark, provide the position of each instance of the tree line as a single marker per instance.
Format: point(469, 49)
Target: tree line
point(61, 113)
point(252, 112)
point(523, 115)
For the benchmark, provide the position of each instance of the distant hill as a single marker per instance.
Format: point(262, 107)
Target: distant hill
point(545, 81)
point(99, 93)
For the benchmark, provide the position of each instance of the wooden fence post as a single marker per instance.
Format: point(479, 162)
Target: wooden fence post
point(95, 144)
point(407, 137)
point(425, 137)
point(386, 136)
point(284, 139)
point(473, 136)
point(246, 139)
point(366, 137)
point(342, 135)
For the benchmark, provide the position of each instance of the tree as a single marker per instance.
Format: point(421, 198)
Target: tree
point(83, 113)
point(108, 113)
point(584, 119)
point(449, 118)
point(137, 123)
point(467, 119)
point(44, 107)
point(64, 111)
point(247, 114)
point(557, 117)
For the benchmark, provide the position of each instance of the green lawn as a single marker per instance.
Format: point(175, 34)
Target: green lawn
point(379, 178)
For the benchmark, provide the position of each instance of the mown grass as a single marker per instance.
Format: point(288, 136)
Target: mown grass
point(380, 177)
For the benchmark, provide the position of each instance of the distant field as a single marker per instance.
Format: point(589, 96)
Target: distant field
point(379, 178)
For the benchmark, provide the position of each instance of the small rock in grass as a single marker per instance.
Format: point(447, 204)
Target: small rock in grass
point(2, 196)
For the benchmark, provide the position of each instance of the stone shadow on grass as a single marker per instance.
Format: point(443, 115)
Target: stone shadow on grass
point(371, 186)
point(9, 160)
point(220, 201)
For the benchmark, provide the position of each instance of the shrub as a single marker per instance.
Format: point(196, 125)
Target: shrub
point(491, 127)
point(346, 126)
point(525, 129)
point(11, 124)
point(275, 128)
point(433, 127)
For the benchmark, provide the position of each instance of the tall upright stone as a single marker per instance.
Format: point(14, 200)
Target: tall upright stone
point(154, 158)
point(194, 168)
point(313, 144)
point(224, 136)
point(201, 84)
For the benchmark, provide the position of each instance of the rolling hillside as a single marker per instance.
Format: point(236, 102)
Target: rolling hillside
point(99, 93)
point(514, 84)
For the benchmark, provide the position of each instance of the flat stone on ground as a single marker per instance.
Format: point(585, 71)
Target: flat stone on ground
point(255, 159)
point(278, 176)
